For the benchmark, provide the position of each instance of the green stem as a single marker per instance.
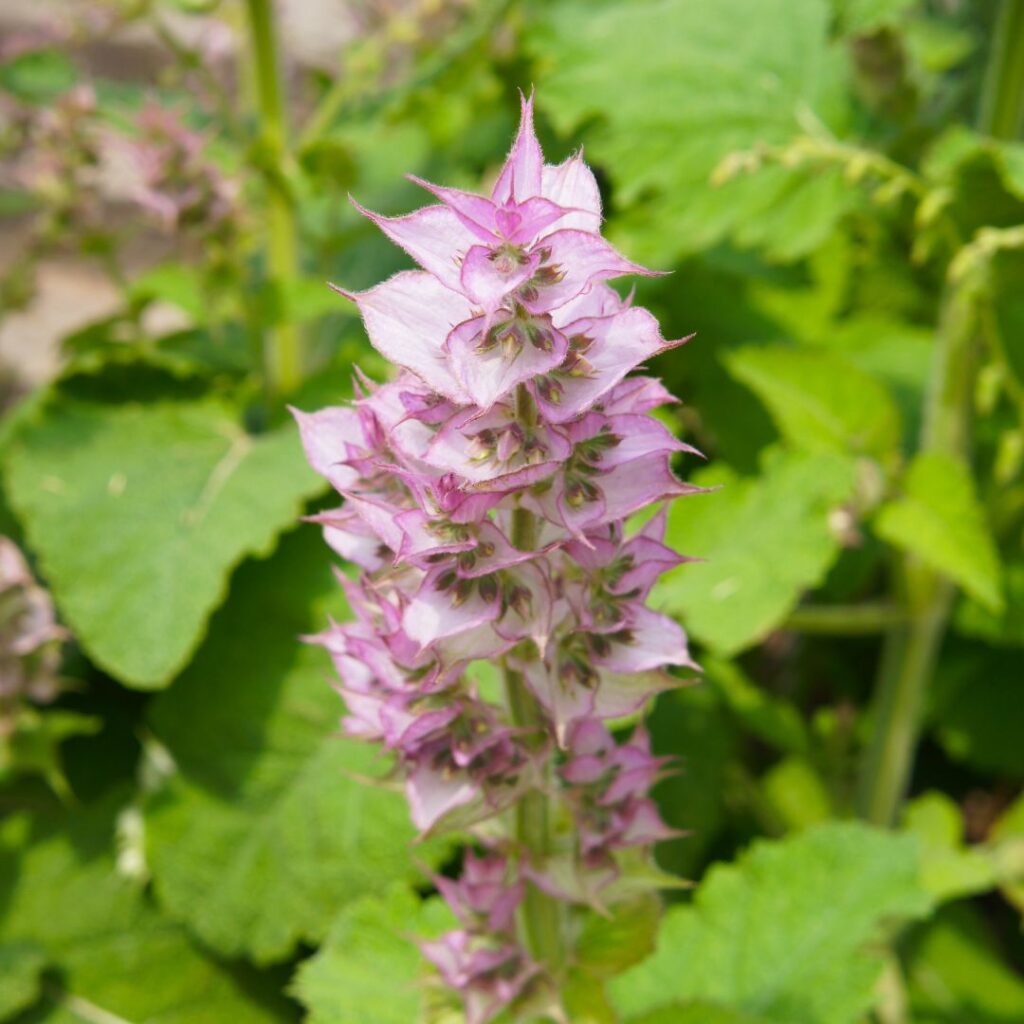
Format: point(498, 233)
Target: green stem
point(911, 649)
point(1002, 100)
point(542, 914)
point(912, 646)
point(845, 619)
point(283, 356)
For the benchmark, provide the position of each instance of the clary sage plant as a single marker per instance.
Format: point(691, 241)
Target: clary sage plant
point(488, 491)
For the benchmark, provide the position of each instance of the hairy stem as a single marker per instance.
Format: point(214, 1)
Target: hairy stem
point(912, 646)
point(542, 914)
point(283, 356)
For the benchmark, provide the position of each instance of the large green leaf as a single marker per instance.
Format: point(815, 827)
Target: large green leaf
point(270, 824)
point(939, 519)
point(670, 88)
point(782, 933)
point(113, 956)
point(138, 514)
point(765, 540)
point(819, 400)
point(367, 969)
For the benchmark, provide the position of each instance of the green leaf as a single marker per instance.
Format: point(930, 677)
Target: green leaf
point(39, 76)
point(269, 799)
point(608, 945)
point(939, 519)
point(179, 284)
point(860, 17)
point(21, 970)
point(692, 726)
point(113, 955)
point(769, 718)
point(138, 514)
point(368, 967)
point(698, 90)
point(695, 1013)
point(949, 868)
point(765, 539)
point(982, 178)
point(956, 976)
point(782, 932)
point(1007, 289)
point(977, 710)
point(796, 792)
point(819, 400)
point(1006, 628)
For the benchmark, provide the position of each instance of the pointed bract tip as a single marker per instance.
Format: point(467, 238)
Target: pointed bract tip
point(351, 296)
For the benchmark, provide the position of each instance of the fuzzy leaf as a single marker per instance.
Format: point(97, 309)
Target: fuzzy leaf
point(939, 519)
point(819, 400)
point(138, 514)
point(698, 91)
point(782, 932)
point(368, 967)
point(765, 539)
point(269, 798)
point(113, 955)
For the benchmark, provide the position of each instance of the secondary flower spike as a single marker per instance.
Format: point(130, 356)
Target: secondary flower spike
point(487, 489)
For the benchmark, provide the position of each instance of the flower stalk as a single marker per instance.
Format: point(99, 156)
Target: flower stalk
point(486, 493)
point(283, 354)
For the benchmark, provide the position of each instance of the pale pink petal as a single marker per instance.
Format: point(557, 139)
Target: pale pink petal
point(488, 376)
point(433, 236)
point(572, 184)
point(408, 318)
point(520, 178)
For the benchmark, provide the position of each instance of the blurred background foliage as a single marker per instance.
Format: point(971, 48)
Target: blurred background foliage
point(838, 188)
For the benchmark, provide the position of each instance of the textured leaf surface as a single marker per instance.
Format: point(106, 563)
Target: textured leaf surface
point(819, 400)
point(270, 826)
point(114, 956)
point(139, 513)
point(674, 88)
point(939, 519)
point(367, 969)
point(765, 540)
point(781, 933)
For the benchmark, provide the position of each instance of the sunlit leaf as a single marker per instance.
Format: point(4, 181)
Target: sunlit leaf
point(939, 519)
point(765, 539)
point(782, 933)
point(271, 824)
point(138, 514)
